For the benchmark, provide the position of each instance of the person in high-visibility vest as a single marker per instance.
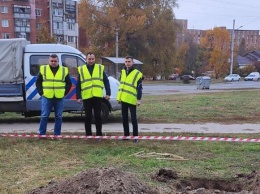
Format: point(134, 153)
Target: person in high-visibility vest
point(89, 89)
point(53, 84)
point(130, 94)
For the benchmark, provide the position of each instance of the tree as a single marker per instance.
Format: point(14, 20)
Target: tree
point(216, 44)
point(43, 34)
point(181, 55)
point(146, 30)
point(242, 47)
point(247, 69)
point(159, 41)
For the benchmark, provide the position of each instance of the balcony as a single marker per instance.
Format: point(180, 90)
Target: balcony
point(22, 29)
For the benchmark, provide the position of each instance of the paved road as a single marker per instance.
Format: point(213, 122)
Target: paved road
point(73, 127)
point(166, 89)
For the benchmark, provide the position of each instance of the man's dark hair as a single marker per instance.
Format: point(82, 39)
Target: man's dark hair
point(90, 53)
point(129, 57)
point(54, 56)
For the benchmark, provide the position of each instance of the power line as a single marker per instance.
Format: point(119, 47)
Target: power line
point(236, 4)
point(215, 14)
point(220, 6)
point(250, 22)
point(219, 13)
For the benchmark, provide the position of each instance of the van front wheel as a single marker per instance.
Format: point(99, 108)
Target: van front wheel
point(104, 112)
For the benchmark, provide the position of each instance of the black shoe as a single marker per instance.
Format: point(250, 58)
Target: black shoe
point(135, 141)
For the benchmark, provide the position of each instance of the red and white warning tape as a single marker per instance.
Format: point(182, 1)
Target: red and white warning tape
point(169, 138)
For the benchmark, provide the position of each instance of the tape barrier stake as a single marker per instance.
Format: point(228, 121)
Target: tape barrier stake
point(165, 138)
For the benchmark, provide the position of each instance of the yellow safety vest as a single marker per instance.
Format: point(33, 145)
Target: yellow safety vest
point(128, 86)
point(53, 86)
point(91, 86)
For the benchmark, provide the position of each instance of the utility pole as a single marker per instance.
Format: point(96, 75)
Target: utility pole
point(232, 48)
point(116, 52)
point(51, 18)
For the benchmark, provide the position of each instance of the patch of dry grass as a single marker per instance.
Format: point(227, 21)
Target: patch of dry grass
point(27, 163)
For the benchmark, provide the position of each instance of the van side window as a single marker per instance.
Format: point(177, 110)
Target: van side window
point(72, 62)
point(36, 61)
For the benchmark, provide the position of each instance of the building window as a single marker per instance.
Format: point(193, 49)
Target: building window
point(22, 35)
point(57, 25)
point(22, 9)
point(38, 12)
point(22, 22)
point(58, 12)
point(59, 39)
point(59, 5)
point(5, 23)
point(71, 39)
point(4, 9)
point(5, 36)
point(71, 26)
point(38, 26)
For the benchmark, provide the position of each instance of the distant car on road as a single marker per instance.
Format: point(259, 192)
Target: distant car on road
point(173, 76)
point(254, 76)
point(188, 77)
point(232, 77)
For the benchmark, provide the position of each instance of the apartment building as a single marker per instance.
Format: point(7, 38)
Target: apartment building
point(252, 37)
point(24, 19)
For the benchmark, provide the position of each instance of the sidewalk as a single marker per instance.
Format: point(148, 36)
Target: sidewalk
point(143, 128)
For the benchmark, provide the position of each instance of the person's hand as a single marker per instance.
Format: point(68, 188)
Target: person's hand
point(107, 97)
point(138, 103)
point(79, 101)
point(119, 102)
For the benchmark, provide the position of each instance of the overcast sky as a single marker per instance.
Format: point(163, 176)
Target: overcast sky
point(207, 14)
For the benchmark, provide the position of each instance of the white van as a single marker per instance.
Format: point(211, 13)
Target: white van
point(19, 66)
point(254, 76)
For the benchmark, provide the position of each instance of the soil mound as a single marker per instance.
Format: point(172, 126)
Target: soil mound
point(97, 181)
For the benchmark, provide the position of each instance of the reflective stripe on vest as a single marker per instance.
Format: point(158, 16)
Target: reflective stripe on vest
point(91, 86)
point(128, 86)
point(53, 86)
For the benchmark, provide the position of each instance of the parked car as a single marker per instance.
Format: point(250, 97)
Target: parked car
point(173, 76)
point(254, 76)
point(187, 77)
point(232, 77)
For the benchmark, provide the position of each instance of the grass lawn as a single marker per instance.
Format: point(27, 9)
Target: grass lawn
point(27, 163)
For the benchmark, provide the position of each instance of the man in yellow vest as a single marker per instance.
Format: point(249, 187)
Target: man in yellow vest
point(91, 81)
point(53, 84)
point(130, 94)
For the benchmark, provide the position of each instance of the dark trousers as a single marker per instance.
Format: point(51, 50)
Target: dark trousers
point(124, 110)
point(95, 104)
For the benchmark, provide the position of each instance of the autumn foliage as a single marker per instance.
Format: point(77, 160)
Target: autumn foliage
point(146, 30)
point(216, 46)
point(43, 34)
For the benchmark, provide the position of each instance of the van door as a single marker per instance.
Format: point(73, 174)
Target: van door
point(72, 62)
point(32, 63)
point(31, 70)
